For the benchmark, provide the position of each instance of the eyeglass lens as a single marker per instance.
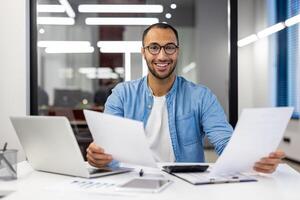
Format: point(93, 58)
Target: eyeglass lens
point(168, 48)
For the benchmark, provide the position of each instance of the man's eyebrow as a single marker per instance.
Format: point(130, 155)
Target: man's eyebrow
point(161, 45)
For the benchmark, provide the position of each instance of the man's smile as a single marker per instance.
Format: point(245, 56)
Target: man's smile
point(162, 66)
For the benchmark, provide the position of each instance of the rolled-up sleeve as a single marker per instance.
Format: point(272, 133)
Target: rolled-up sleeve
point(114, 103)
point(214, 122)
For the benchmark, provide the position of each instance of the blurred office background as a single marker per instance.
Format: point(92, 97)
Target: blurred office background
point(80, 60)
point(80, 57)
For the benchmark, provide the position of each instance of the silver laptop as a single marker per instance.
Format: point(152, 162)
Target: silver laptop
point(50, 145)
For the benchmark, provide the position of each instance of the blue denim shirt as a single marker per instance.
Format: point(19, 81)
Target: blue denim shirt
point(193, 112)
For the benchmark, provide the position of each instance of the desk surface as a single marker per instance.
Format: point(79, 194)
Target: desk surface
point(283, 184)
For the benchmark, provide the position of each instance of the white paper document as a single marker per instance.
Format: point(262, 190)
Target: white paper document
point(82, 187)
point(257, 134)
point(123, 138)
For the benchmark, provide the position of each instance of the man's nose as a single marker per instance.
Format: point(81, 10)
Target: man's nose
point(162, 54)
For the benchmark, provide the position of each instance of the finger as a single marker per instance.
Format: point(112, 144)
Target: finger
point(270, 161)
point(97, 163)
point(277, 154)
point(94, 148)
point(98, 156)
point(267, 171)
point(91, 161)
point(264, 166)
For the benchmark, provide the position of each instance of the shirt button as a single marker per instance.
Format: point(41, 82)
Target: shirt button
point(149, 106)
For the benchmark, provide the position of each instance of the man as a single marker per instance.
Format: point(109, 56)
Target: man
point(177, 114)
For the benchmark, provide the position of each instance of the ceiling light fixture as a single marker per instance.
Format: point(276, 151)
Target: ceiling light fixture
point(173, 6)
point(71, 49)
point(293, 20)
point(189, 67)
point(168, 15)
point(42, 31)
point(69, 10)
point(89, 70)
point(121, 21)
point(55, 43)
point(247, 40)
point(270, 30)
point(115, 8)
point(110, 75)
point(120, 46)
point(55, 20)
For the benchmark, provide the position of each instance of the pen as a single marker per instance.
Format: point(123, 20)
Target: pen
point(6, 162)
point(141, 173)
point(4, 147)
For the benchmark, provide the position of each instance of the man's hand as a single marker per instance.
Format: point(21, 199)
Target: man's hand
point(270, 163)
point(97, 157)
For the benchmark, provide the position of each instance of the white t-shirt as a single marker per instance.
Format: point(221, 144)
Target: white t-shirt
point(157, 131)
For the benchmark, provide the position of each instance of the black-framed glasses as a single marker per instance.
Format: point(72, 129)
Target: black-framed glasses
point(155, 48)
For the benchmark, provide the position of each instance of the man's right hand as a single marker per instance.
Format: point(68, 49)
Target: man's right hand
point(96, 156)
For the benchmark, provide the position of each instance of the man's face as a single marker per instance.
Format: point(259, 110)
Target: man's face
point(161, 65)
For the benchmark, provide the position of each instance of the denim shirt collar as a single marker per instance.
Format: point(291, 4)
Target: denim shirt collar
point(169, 93)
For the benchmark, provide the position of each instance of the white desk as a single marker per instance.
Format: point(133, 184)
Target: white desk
point(284, 184)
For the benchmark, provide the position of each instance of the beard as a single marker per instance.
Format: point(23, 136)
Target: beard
point(156, 75)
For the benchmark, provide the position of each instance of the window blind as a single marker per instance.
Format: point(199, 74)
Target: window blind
point(293, 59)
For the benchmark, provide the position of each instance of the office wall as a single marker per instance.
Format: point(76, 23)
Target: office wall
point(13, 68)
point(253, 64)
point(212, 47)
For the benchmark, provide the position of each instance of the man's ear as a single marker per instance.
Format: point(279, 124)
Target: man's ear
point(143, 51)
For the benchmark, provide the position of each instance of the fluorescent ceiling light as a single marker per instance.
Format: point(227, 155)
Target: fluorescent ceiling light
point(71, 49)
point(270, 30)
point(189, 67)
point(293, 20)
point(55, 20)
point(54, 43)
point(69, 10)
point(50, 8)
point(120, 46)
point(119, 70)
point(121, 21)
point(247, 40)
point(111, 75)
point(89, 70)
point(115, 8)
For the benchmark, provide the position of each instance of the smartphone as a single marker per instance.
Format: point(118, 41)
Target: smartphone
point(145, 185)
point(185, 168)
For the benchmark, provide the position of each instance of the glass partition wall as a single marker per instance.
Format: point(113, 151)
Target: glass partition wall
point(269, 75)
point(85, 47)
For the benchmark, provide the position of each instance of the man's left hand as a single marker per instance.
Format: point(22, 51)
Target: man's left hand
point(270, 163)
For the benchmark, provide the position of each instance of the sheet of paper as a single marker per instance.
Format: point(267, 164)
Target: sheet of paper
point(85, 186)
point(123, 138)
point(257, 133)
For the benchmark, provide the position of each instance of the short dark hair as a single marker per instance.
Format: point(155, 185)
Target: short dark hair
point(163, 26)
